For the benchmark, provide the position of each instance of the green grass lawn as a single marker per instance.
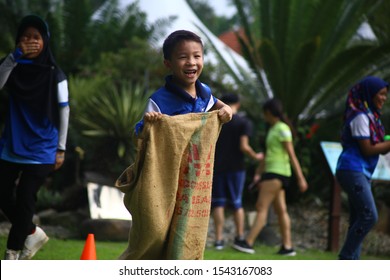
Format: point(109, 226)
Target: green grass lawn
point(58, 249)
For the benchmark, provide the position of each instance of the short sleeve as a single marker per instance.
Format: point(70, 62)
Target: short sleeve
point(63, 93)
point(284, 133)
point(247, 127)
point(152, 106)
point(360, 126)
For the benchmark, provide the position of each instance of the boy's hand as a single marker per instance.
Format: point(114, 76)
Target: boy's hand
point(225, 114)
point(152, 116)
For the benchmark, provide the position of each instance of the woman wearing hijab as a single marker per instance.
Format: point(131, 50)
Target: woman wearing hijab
point(33, 141)
point(362, 141)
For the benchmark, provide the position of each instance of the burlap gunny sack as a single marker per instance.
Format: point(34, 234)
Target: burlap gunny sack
point(168, 188)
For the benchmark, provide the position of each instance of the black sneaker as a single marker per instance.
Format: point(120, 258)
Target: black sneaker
point(243, 246)
point(287, 252)
point(238, 239)
point(219, 244)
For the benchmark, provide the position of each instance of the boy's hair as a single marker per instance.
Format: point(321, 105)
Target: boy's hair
point(230, 98)
point(176, 37)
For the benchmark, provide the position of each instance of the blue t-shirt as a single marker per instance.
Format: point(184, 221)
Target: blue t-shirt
point(28, 138)
point(173, 100)
point(351, 157)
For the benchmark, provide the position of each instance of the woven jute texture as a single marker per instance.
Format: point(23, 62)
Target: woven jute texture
point(168, 188)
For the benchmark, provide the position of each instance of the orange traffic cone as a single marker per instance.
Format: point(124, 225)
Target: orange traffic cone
point(89, 252)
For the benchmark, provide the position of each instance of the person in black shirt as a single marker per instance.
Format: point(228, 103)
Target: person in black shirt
point(229, 170)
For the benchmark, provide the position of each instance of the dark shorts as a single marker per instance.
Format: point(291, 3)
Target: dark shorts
point(227, 189)
point(270, 176)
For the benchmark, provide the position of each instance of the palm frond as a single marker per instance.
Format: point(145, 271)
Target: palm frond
point(306, 50)
point(107, 112)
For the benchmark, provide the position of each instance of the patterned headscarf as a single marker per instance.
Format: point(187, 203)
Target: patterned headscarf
point(359, 101)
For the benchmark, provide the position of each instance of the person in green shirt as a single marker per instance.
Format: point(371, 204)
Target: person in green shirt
point(273, 176)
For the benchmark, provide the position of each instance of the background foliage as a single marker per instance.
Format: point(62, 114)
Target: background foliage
point(307, 53)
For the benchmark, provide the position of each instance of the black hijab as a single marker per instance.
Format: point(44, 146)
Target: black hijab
point(35, 84)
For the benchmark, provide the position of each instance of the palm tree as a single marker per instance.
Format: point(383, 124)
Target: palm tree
point(309, 51)
point(90, 30)
point(104, 117)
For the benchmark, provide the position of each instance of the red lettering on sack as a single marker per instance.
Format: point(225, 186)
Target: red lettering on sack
point(193, 161)
point(200, 199)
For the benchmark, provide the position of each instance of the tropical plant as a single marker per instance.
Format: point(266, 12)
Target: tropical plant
point(215, 23)
point(308, 51)
point(105, 116)
point(88, 30)
point(133, 64)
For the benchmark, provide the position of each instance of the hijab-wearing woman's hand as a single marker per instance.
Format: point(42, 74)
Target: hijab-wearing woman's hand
point(29, 47)
point(60, 157)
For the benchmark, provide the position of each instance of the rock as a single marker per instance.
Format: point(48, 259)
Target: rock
point(74, 197)
point(4, 228)
point(70, 220)
point(106, 229)
point(269, 236)
point(383, 224)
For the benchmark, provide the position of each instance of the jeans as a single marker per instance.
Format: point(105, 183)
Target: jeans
point(363, 213)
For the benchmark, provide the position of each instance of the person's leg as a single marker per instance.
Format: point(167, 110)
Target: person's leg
point(364, 214)
point(219, 220)
point(235, 189)
point(218, 202)
point(239, 221)
point(9, 173)
point(353, 219)
point(31, 179)
point(268, 191)
point(280, 207)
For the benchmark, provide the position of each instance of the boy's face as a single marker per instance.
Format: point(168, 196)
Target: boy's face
point(186, 63)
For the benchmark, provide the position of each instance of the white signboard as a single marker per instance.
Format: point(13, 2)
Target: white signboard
point(106, 203)
point(332, 151)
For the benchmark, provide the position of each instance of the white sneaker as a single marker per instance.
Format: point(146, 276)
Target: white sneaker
point(11, 254)
point(33, 243)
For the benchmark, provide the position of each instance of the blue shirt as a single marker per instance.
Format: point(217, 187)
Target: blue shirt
point(351, 158)
point(27, 138)
point(173, 100)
